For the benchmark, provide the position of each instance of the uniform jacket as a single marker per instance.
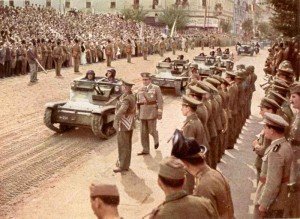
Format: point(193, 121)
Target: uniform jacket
point(76, 51)
point(233, 92)
point(2, 55)
point(272, 191)
point(211, 184)
point(179, 205)
point(125, 113)
point(202, 114)
point(211, 125)
point(31, 56)
point(150, 101)
point(193, 128)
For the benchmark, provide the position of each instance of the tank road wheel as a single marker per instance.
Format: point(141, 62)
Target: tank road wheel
point(100, 128)
point(48, 122)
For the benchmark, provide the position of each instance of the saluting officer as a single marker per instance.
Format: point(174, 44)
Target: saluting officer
point(271, 193)
point(150, 108)
point(124, 124)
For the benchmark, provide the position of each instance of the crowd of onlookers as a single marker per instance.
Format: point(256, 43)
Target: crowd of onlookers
point(43, 26)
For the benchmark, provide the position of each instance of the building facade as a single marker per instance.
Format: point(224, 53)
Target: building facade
point(203, 13)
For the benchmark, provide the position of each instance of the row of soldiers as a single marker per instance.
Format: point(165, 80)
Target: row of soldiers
point(215, 108)
point(277, 146)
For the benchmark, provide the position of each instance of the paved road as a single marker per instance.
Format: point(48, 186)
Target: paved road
point(41, 171)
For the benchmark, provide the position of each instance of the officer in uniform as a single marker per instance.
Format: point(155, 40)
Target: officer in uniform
point(57, 55)
point(76, 54)
point(105, 199)
point(128, 49)
point(124, 124)
point(271, 193)
point(145, 48)
point(162, 47)
point(294, 186)
point(174, 46)
point(192, 128)
point(261, 144)
point(150, 108)
point(178, 204)
point(109, 53)
point(209, 183)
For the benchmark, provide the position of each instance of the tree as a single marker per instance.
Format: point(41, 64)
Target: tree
point(285, 17)
point(170, 14)
point(247, 26)
point(266, 30)
point(137, 14)
point(226, 26)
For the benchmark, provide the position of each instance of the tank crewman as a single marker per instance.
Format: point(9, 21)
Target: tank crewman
point(124, 124)
point(57, 55)
point(76, 54)
point(150, 108)
point(145, 49)
point(178, 204)
point(209, 183)
point(128, 49)
point(192, 128)
point(271, 193)
point(105, 199)
point(261, 144)
point(294, 186)
point(109, 52)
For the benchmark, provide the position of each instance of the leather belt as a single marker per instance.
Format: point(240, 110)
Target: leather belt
point(148, 103)
point(263, 179)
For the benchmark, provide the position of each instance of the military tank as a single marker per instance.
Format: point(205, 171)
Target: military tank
point(172, 74)
point(91, 104)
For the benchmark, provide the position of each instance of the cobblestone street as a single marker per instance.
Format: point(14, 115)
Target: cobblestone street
point(47, 175)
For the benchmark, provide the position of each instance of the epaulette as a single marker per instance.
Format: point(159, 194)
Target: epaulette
point(276, 148)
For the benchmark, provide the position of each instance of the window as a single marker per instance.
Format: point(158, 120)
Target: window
point(11, 3)
point(48, 3)
point(113, 5)
point(88, 4)
point(67, 4)
point(154, 3)
point(203, 3)
point(27, 3)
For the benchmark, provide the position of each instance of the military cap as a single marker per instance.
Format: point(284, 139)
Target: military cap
point(240, 66)
point(189, 101)
point(210, 86)
point(213, 81)
point(240, 74)
point(186, 147)
point(295, 88)
point(127, 83)
point(197, 90)
point(194, 65)
point(250, 68)
point(231, 73)
point(103, 190)
point(274, 120)
point(171, 168)
point(146, 75)
point(218, 77)
point(281, 83)
point(269, 103)
point(286, 66)
point(279, 89)
point(272, 94)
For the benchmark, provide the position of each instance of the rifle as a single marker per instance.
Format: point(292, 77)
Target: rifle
point(39, 64)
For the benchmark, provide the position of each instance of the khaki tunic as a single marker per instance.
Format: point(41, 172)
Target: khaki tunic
point(272, 191)
point(179, 205)
point(211, 184)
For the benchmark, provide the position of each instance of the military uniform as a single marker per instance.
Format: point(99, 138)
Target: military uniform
point(162, 48)
point(76, 54)
point(32, 56)
point(211, 184)
point(109, 54)
point(179, 205)
point(150, 107)
point(124, 123)
point(57, 55)
point(145, 48)
point(128, 49)
point(271, 193)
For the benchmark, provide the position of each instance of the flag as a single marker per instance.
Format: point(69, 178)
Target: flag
point(173, 28)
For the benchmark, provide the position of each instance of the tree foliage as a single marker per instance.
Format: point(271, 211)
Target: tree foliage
point(136, 14)
point(170, 14)
point(247, 26)
point(266, 30)
point(226, 26)
point(285, 17)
